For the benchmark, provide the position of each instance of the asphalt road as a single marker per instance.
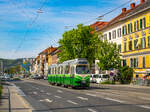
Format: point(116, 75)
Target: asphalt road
point(46, 98)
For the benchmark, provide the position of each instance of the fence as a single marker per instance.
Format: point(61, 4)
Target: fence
point(141, 82)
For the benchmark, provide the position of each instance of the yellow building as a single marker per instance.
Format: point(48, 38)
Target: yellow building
point(136, 39)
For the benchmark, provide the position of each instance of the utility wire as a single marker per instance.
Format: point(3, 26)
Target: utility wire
point(99, 17)
point(30, 25)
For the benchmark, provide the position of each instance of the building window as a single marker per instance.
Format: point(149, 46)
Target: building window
point(125, 46)
point(124, 30)
point(96, 28)
point(130, 45)
point(136, 44)
point(136, 26)
point(131, 62)
point(119, 32)
point(105, 37)
point(143, 61)
point(143, 43)
point(142, 23)
point(135, 62)
point(124, 62)
point(148, 41)
point(109, 35)
point(114, 34)
point(130, 28)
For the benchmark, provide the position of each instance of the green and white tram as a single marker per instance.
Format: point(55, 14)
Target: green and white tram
point(74, 73)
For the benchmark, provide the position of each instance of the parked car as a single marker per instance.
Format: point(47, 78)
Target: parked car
point(37, 76)
point(102, 77)
point(93, 78)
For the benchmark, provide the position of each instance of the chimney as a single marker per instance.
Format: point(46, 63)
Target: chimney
point(142, 1)
point(132, 5)
point(124, 10)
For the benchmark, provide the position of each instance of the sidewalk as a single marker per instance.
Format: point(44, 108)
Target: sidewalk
point(18, 104)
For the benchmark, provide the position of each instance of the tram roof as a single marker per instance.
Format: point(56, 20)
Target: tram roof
point(75, 61)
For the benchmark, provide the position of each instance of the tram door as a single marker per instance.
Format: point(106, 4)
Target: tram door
point(72, 75)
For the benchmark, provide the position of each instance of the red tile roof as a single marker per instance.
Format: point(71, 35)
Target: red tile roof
point(98, 24)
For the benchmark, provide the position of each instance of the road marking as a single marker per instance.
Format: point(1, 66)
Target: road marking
point(42, 91)
point(48, 100)
point(35, 93)
point(82, 98)
point(48, 93)
point(90, 94)
point(58, 96)
point(19, 91)
point(72, 102)
point(144, 106)
point(114, 100)
point(59, 91)
point(91, 110)
point(144, 98)
point(41, 100)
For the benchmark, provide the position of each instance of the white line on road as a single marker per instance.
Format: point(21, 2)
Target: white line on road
point(144, 98)
point(58, 96)
point(90, 94)
point(48, 100)
point(48, 93)
point(72, 102)
point(91, 110)
point(41, 100)
point(42, 91)
point(35, 93)
point(82, 98)
point(59, 91)
point(114, 100)
point(144, 106)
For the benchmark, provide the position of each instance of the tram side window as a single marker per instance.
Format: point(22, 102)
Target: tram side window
point(72, 70)
point(61, 69)
point(55, 70)
point(67, 69)
point(52, 70)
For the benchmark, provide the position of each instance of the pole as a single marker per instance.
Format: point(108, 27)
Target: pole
point(9, 100)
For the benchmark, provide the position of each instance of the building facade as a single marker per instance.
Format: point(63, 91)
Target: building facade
point(136, 40)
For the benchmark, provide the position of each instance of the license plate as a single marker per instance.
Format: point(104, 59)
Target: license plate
point(83, 81)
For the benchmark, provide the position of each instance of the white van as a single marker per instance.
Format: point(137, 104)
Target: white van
point(101, 77)
point(93, 78)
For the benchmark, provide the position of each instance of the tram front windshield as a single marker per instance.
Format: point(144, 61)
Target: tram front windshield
point(82, 69)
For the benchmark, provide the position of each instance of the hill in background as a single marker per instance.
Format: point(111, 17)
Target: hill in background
point(8, 63)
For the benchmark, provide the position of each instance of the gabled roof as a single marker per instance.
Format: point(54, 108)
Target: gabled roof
point(98, 25)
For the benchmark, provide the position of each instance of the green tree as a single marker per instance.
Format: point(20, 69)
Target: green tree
point(126, 74)
point(79, 43)
point(108, 56)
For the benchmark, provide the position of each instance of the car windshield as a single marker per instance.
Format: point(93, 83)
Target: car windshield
point(105, 76)
point(82, 69)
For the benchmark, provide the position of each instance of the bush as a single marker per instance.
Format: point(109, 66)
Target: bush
point(108, 82)
point(126, 74)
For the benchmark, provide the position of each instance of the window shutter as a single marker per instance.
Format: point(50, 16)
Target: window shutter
point(131, 27)
point(135, 26)
point(141, 42)
point(144, 22)
point(148, 41)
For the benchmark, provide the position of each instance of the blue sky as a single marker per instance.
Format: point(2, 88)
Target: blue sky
point(20, 38)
